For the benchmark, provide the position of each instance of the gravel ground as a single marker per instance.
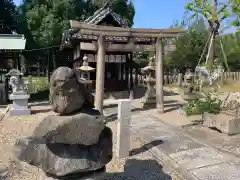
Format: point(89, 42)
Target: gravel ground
point(141, 165)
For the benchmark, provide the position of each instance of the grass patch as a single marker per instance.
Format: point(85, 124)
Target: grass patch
point(171, 85)
point(230, 86)
point(36, 84)
point(39, 96)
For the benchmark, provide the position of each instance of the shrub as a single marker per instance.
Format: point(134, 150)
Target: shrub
point(205, 103)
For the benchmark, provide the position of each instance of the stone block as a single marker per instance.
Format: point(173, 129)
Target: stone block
point(178, 143)
point(20, 104)
point(226, 123)
point(197, 158)
point(224, 171)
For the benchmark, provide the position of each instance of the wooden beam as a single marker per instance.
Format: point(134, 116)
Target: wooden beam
point(85, 28)
point(122, 47)
point(118, 47)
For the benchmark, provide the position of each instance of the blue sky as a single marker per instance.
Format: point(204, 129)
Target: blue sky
point(155, 13)
point(158, 13)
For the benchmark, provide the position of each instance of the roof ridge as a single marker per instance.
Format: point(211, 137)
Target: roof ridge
point(96, 13)
point(102, 14)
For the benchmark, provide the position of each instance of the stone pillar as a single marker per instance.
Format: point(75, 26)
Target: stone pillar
point(179, 80)
point(131, 93)
point(127, 70)
point(123, 128)
point(159, 75)
point(100, 75)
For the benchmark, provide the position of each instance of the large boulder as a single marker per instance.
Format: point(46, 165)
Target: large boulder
point(76, 139)
point(58, 159)
point(81, 128)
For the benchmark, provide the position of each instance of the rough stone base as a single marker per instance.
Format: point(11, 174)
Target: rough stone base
point(96, 175)
point(19, 112)
point(189, 96)
point(226, 123)
point(147, 103)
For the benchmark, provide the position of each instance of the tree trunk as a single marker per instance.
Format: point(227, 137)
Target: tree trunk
point(214, 27)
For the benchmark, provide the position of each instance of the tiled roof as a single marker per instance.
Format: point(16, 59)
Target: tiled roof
point(100, 14)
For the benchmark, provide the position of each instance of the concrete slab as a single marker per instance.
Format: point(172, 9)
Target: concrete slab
point(146, 122)
point(225, 171)
point(152, 129)
point(197, 158)
point(177, 144)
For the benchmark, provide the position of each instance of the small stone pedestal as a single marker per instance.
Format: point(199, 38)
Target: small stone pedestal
point(20, 104)
point(149, 99)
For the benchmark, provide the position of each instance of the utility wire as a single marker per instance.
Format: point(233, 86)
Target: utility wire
point(38, 49)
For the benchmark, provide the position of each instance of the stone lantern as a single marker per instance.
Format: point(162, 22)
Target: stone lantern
point(150, 95)
point(85, 70)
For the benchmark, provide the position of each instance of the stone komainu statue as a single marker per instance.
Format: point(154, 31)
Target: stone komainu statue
point(66, 93)
point(75, 140)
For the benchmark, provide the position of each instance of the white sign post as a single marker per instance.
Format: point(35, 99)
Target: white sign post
point(123, 128)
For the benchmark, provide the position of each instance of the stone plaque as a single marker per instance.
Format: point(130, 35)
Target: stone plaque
point(106, 58)
point(111, 59)
point(123, 58)
point(118, 58)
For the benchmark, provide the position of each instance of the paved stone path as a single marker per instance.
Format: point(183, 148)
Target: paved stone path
point(191, 158)
point(184, 150)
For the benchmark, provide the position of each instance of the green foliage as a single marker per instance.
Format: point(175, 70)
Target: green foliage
point(206, 103)
point(37, 84)
point(189, 47)
point(47, 19)
point(43, 22)
point(211, 10)
point(142, 58)
point(8, 14)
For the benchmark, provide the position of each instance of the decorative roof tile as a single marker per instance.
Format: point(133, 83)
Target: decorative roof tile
point(100, 14)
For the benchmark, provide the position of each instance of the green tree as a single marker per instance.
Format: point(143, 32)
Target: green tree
point(43, 21)
point(189, 47)
point(46, 19)
point(231, 45)
point(8, 14)
point(215, 12)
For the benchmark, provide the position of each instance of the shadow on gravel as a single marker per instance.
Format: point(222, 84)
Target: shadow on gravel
point(134, 169)
point(40, 111)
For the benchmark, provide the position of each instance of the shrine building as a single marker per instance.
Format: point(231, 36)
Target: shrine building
point(109, 45)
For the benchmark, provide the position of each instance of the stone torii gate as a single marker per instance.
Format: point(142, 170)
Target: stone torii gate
point(104, 44)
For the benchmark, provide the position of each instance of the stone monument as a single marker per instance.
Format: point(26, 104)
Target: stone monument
point(149, 98)
point(19, 94)
point(74, 143)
